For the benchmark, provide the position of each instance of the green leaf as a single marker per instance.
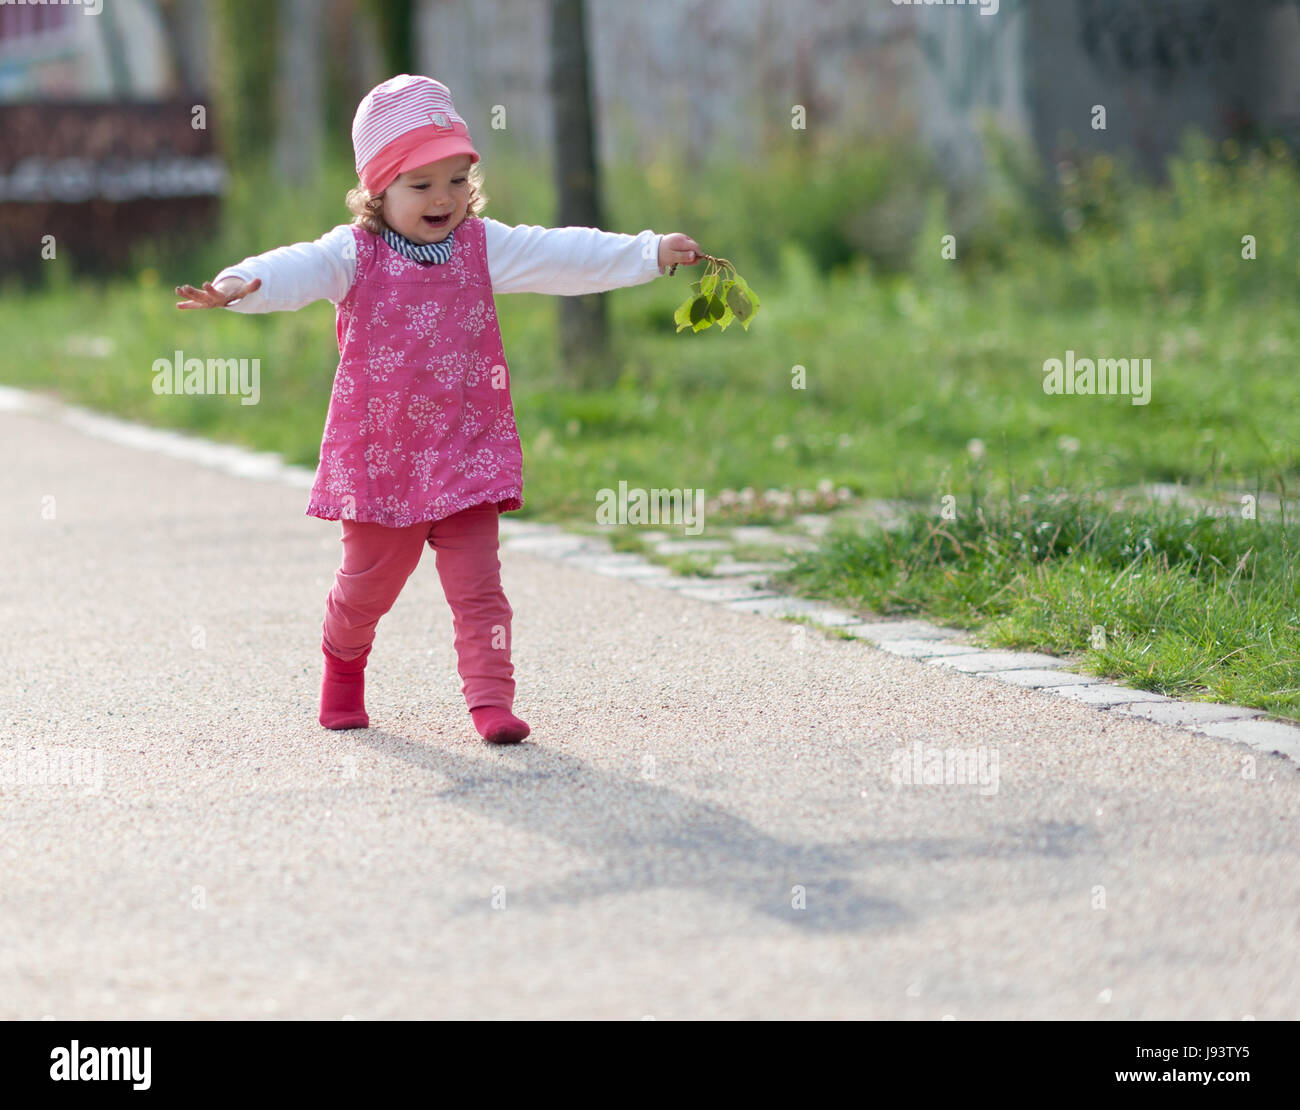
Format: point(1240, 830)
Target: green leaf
point(740, 304)
point(745, 302)
point(682, 317)
point(754, 305)
point(718, 299)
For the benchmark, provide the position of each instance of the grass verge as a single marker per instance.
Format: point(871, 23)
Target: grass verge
point(1160, 597)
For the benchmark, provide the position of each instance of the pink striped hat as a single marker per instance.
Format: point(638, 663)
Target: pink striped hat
point(404, 123)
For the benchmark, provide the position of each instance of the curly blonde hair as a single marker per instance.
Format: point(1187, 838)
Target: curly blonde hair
point(367, 209)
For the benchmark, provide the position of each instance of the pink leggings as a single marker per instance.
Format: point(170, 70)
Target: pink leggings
point(378, 560)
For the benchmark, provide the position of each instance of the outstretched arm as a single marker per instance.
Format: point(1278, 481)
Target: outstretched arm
point(283, 279)
point(572, 261)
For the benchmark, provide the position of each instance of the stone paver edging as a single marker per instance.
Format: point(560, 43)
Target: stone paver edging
point(920, 640)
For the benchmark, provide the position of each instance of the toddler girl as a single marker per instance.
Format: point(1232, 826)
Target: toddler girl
point(420, 444)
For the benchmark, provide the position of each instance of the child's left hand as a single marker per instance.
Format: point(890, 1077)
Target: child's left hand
point(678, 249)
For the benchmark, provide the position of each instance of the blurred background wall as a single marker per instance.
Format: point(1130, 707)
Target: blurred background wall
point(279, 80)
point(688, 73)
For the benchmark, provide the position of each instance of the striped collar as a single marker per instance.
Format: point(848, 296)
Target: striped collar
point(419, 252)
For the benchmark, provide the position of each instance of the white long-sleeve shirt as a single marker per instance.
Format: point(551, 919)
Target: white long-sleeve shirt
point(526, 258)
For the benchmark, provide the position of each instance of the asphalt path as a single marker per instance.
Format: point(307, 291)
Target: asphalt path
point(704, 822)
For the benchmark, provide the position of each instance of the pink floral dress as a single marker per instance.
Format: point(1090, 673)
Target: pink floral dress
point(420, 422)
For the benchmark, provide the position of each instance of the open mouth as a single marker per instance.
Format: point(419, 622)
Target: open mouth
point(437, 221)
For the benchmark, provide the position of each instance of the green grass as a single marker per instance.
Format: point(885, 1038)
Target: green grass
point(900, 380)
point(1162, 597)
point(922, 379)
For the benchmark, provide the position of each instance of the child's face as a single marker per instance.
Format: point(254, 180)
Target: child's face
point(439, 188)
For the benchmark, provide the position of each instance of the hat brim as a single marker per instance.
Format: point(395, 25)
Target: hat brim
point(435, 150)
point(411, 151)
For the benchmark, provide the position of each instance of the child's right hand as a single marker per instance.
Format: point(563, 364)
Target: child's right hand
point(216, 296)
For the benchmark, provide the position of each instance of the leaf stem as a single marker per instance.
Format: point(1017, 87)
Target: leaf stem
point(720, 263)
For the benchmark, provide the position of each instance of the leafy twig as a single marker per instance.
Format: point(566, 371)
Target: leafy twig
point(717, 298)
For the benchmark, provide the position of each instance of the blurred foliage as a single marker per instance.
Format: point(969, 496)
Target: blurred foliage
point(243, 77)
point(863, 202)
point(1094, 236)
point(1120, 240)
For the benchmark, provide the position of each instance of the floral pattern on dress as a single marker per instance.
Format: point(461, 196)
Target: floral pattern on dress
point(482, 463)
point(389, 508)
point(503, 427)
point(475, 320)
point(422, 318)
point(364, 247)
point(379, 460)
point(379, 413)
point(347, 319)
point(425, 413)
point(344, 386)
point(340, 476)
point(394, 264)
point(377, 313)
point(454, 368)
point(415, 429)
point(423, 464)
point(458, 268)
point(476, 419)
point(479, 372)
point(383, 362)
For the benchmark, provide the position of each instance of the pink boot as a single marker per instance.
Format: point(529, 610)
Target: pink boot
point(342, 692)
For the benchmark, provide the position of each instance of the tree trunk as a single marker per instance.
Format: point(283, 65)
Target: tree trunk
point(300, 97)
point(583, 333)
point(356, 40)
point(395, 24)
point(244, 78)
